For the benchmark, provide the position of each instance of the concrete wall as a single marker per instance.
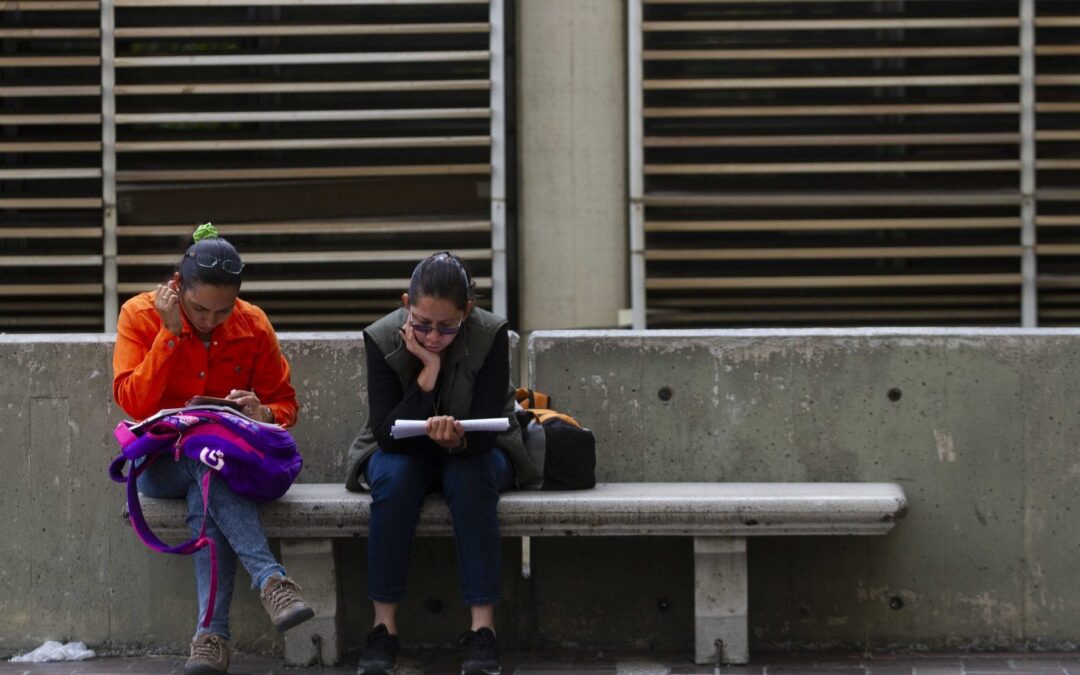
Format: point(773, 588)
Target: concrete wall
point(980, 427)
point(982, 435)
point(571, 85)
point(70, 567)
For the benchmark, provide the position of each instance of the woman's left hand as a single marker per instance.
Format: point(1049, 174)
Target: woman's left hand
point(250, 404)
point(446, 431)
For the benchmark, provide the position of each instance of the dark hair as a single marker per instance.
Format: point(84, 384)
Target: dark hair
point(218, 249)
point(442, 275)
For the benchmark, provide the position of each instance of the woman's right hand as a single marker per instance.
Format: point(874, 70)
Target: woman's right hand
point(167, 304)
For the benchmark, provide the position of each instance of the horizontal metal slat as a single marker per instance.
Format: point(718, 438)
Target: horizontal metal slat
point(191, 88)
point(282, 30)
point(779, 53)
point(834, 281)
point(49, 33)
point(314, 285)
point(313, 227)
point(796, 25)
point(285, 3)
point(832, 167)
point(49, 5)
point(834, 253)
point(849, 82)
point(50, 91)
point(831, 140)
point(50, 232)
point(303, 116)
point(50, 203)
point(312, 257)
point(58, 289)
point(836, 199)
point(48, 61)
point(665, 303)
point(50, 146)
point(49, 174)
point(861, 315)
point(303, 144)
point(998, 108)
point(287, 59)
point(49, 260)
point(50, 119)
point(168, 175)
point(832, 224)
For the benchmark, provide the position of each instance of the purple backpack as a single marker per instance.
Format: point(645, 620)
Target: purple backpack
point(258, 462)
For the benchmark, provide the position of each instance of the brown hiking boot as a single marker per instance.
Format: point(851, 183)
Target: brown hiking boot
point(281, 600)
point(209, 655)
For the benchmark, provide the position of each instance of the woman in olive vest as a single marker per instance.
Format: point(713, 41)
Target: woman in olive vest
point(441, 359)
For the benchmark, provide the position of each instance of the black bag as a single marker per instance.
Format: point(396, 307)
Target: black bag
point(563, 450)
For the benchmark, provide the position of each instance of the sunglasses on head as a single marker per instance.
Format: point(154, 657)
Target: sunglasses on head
point(230, 265)
point(425, 328)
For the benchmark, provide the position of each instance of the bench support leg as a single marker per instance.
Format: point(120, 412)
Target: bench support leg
point(310, 562)
point(720, 600)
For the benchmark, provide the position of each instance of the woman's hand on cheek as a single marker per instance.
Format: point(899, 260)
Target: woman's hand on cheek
point(167, 304)
point(412, 343)
point(445, 430)
point(429, 374)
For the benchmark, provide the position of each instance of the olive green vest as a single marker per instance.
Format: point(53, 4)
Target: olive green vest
point(455, 389)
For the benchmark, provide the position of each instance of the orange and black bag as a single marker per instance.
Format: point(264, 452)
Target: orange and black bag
point(563, 449)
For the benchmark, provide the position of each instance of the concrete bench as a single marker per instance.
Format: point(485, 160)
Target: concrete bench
point(719, 516)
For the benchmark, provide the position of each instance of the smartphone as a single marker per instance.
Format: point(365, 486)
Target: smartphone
point(214, 400)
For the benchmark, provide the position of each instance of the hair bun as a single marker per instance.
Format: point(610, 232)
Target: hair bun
point(205, 231)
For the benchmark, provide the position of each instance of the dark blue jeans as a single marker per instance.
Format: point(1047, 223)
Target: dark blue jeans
point(471, 484)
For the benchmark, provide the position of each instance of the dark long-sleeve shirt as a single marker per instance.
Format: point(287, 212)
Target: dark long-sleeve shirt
point(387, 402)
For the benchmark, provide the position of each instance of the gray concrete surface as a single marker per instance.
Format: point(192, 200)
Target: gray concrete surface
point(571, 79)
point(982, 436)
point(447, 663)
point(980, 427)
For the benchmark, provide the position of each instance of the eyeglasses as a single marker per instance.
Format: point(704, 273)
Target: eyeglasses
point(425, 328)
point(230, 265)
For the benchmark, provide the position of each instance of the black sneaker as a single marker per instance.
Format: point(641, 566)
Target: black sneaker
point(380, 652)
point(481, 652)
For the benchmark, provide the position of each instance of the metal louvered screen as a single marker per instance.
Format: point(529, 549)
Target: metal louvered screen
point(336, 144)
point(830, 162)
point(50, 181)
point(1057, 80)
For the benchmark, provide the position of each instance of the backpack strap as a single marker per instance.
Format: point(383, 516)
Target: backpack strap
point(543, 415)
point(138, 522)
point(530, 398)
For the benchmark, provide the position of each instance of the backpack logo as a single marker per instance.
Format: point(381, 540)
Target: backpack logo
point(215, 459)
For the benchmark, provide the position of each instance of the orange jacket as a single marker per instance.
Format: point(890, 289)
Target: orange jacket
point(154, 369)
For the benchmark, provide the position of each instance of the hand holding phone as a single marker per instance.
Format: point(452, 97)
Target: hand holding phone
point(214, 400)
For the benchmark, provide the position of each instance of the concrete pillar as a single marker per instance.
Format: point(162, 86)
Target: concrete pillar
point(572, 163)
point(318, 640)
point(720, 600)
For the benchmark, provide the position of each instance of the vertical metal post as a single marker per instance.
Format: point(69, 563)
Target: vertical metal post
point(636, 157)
point(108, 164)
point(1029, 298)
point(497, 47)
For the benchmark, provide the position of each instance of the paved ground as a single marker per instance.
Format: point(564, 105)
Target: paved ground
point(532, 664)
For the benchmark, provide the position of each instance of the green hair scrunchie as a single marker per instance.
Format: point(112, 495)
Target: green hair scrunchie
point(205, 231)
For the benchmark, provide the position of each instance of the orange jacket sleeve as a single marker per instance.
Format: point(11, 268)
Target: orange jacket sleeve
point(271, 378)
point(144, 349)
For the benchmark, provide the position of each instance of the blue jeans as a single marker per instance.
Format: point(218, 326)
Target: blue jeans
point(233, 524)
point(471, 484)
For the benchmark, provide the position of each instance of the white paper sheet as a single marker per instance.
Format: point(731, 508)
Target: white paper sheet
point(410, 428)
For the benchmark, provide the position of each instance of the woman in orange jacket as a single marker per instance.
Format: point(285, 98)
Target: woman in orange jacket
point(193, 336)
